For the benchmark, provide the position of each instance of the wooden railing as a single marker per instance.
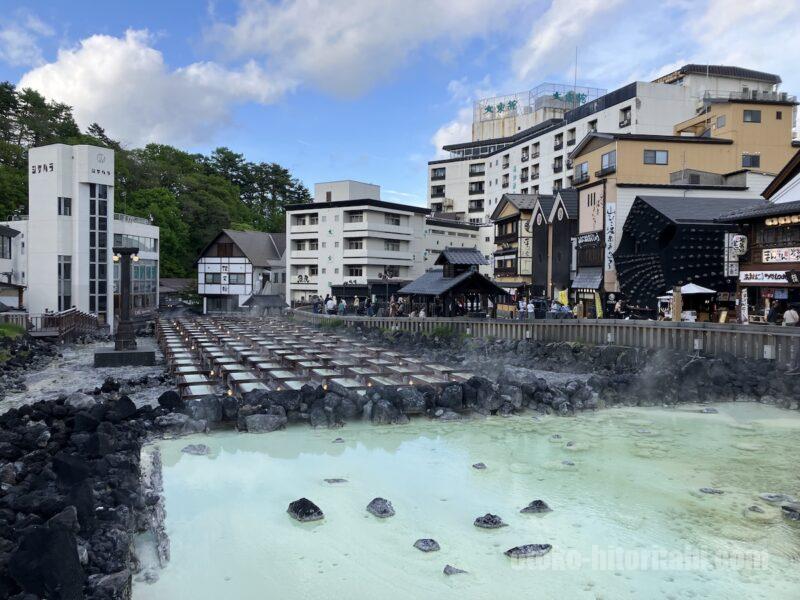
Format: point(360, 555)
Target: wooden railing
point(781, 344)
point(66, 325)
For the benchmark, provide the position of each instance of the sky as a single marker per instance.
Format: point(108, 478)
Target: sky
point(359, 89)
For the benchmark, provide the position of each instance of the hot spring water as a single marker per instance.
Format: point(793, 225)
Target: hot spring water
point(628, 520)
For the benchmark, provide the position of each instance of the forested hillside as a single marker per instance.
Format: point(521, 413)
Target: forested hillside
point(189, 196)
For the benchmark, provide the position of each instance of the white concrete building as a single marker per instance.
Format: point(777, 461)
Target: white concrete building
point(348, 241)
point(239, 267)
point(66, 239)
point(524, 147)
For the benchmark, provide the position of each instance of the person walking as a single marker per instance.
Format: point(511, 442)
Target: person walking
point(342, 306)
point(330, 305)
point(790, 317)
point(356, 306)
point(368, 306)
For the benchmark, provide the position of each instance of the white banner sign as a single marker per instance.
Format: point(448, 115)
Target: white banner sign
point(780, 255)
point(611, 234)
point(762, 277)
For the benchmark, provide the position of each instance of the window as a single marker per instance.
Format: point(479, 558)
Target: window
point(64, 206)
point(557, 185)
point(476, 187)
point(558, 142)
point(751, 160)
point(5, 247)
point(391, 245)
point(237, 279)
point(570, 137)
point(438, 173)
point(505, 180)
point(313, 270)
point(355, 271)
point(213, 278)
point(225, 249)
point(535, 150)
point(608, 160)
point(313, 244)
point(475, 206)
point(298, 245)
point(300, 220)
point(102, 191)
point(478, 169)
point(355, 217)
point(355, 244)
point(335, 244)
point(752, 116)
point(779, 115)
point(392, 220)
point(656, 157)
point(524, 174)
point(328, 196)
point(581, 171)
point(506, 160)
point(592, 126)
point(525, 153)
point(313, 219)
point(437, 191)
point(720, 121)
point(625, 116)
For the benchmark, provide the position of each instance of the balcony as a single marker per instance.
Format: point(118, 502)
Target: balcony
point(535, 175)
point(475, 191)
point(305, 254)
point(571, 142)
point(473, 208)
point(606, 171)
point(504, 184)
point(307, 228)
point(753, 95)
point(558, 146)
point(506, 238)
point(558, 167)
point(477, 173)
point(505, 271)
point(525, 157)
point(625, 122)
point(437, 176)
point(524, 178)
point(535, 155)
point(437, 206)
point(437, 194)
point(580, 178)
point(506, 164)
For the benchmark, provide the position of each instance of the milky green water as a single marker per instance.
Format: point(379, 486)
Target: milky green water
point(628, 519)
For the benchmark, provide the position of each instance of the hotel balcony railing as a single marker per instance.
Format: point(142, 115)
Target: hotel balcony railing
point(557, 167)
point(505, 184)
point(473, 192)
point(571, 142)
point(480, 173)
point(535, 155)
point(436, 206)
point(525, 157)
point(580, 178)
point(606, 171)
point(437, 177)
point(624, 122)
point(506, 164)
point(756, 95)
point(523, 178)
point(558, 145)
point(437, 194)
point(475, 208)
point(535, 175)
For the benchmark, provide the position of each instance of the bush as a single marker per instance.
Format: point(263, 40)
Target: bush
point(11, 330)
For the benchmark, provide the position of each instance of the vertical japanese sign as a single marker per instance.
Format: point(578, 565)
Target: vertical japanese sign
point(611, 234)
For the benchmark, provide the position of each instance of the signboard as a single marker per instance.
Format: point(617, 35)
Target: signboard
point(793, 277)
point(588, 239)
point(744, 316)
point(611, 234)
point(735, 246)
point(780, 255)
point(766, 277)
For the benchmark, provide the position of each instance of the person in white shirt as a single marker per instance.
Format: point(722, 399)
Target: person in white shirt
point(522, 308)
point(790, 317)
point(330, 306)
point(531, 314)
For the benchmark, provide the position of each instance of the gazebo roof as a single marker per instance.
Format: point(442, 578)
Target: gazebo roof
point(461, 256)
point(434, 283)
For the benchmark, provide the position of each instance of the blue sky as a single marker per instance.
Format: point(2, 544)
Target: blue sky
point(361, 89)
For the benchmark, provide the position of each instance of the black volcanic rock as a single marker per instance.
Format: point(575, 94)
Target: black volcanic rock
point(451, 570)
point(46, 564)
point(528, 551)
point(489, 521)
point(427, 545)
point(381, 507)
point(305, 510)
point(537, 506)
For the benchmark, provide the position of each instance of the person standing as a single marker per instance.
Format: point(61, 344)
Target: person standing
point(790, 317)
point(523, 308)
point(530, 309)
point(330, 305)
point(356, 305)
point(368, 306)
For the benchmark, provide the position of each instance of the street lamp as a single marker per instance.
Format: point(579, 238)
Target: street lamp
point(386, 277)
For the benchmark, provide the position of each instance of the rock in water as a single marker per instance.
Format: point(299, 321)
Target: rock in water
point(528, 551)
point(710, 490)
point(479, 466)
point(791, 511)
point(335, 480)
point(381, 507)
point(451, 570)
point(196, 449)
point(426, 545)
point(709, 411)
point(489, 521)
point(773, 498)
point(305, 510)
point(338, 441)
point(755, 508)
point(537, 506)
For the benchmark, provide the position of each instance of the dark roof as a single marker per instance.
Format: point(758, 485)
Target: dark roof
point(358, 202)
point(692, 209)
point(683, 186)
point(569, 197)
point(175, 284)
point(546, 201)
point(530, 131)
point(261, 249)
point(451, 222)
point(719, 71)
point(460, 256)
point(7, 231)
point(762, 209)
point(265, 301)
point(434, 283)
point(786, 174)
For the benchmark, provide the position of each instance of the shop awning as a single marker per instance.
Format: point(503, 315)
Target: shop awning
point(693, 288)
point(588, 278)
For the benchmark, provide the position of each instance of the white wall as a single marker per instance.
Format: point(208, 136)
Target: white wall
point(346, 190)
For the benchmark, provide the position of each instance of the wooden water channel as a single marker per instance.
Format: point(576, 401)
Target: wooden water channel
point(241, 355)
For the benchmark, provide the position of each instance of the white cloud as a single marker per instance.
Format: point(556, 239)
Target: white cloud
point(125, 85)
point(346, 46)
point(19, 40)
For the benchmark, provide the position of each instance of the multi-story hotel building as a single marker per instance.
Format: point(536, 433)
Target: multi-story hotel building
point(521, 143)
point(348, 242)
point(65, 242)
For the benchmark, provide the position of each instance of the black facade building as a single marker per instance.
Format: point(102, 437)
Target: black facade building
point(670, 241)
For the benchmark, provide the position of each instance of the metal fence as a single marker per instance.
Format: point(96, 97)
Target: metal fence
point(64, 326)
point(781, 344)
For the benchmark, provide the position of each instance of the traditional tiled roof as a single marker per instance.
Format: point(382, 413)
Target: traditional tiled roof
point(691, 209)
point(461, 256)
point(762, 209)
point(434, 283)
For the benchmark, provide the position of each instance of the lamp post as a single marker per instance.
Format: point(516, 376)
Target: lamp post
point(125, 337)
